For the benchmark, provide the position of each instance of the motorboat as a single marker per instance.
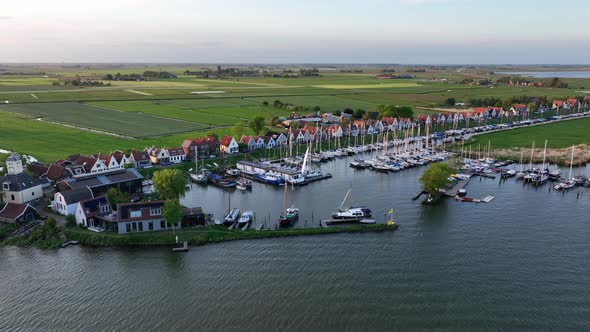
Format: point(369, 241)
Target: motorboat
point(199, 178)
point(289, 216)
point(243, 182)
point(231, 217)
point(246, 218)
point(270, 178)
point(353, 213)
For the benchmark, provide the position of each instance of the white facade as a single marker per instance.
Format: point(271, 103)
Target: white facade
point(231, 148)
point(62, 207)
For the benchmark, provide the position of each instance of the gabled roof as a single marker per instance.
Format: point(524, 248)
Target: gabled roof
point(226, 140)
point(37, 168)
point(558, 102)
point(189, 142)
point(73, 196)
point(105, 158)
point(140, 155)
point(92, 207)
point(245, 139)
point(572, 101)
point(118, 155)
point(20, 181)
point(176, 151)
point(12, 211)
point(86, 162)
point(518, 106)
point(57, 172)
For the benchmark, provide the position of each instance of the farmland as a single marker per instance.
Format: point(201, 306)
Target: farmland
point(50, 121)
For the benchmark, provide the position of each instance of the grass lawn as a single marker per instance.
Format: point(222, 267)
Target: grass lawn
point(367, 86)
point(559, 135)
point(103, 119)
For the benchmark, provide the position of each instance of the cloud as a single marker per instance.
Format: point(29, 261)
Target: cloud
point(6, 17)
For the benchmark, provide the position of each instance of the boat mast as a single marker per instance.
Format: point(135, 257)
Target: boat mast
point(532, 154)
point(572, 162)
point(544, 155)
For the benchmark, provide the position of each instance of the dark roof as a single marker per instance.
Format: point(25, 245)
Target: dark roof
point(37, 168)
point(104, 179)
point(12, 211)
point(20, 181)
point(140, 155)
point(87, 162)
point(124, 210)
point(91, 207)
point(76, 195)
point(13, 157)
point(57, 172)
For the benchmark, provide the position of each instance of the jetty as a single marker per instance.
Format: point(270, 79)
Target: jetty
point(181, 249)
point(454, 189)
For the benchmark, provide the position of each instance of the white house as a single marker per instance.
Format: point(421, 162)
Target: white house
point(17, 186)
point(67, 201)
point(249, 142)
point(269, 142)
point(87, 210)
point(158, 156)
point(228, 145)
point(109, 161)
point(176, 155)
point(91, 165)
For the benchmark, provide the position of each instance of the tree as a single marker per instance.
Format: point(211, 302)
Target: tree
point(358, 113)
point(256, 124)
point(169, 183)
point(265, 103)
point(436, 177)
point(450, 101)
point(172, 213)
point(316, 109)
point(238, 130)
point(70, 220)
point(116, 197)
point(396, 111)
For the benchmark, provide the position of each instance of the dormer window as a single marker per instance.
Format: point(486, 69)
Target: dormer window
point(135, 213)
point(5, 186)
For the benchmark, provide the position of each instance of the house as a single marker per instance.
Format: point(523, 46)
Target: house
point(37, 169)
point(18, 186)
point(586, 99)
point(281, 139)
point(127, 180)
point(13, 213)
point(141, 217)
point(140, 159)
point(109, 161)
point(335, 131)
point(249, 142)
point(519, 109)
point(66, 202)
point(190, 147)
point(87, 211)
point(58, 172)
point(269, 142)
point(571, 103)
point(121, 158)
point(176, 155)
point(228, 145)
point(91, 165)
point(557, 104)
point(158, 156)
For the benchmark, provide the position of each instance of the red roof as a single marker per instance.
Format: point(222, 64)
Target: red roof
point(226, 140)
point(520, 106)
point(587, 98)
point(558, 102)
point(388, 120)
point(12, 211)
point(118, 155)
point(480, 110)
point(86, 162)
point(179, 151)
point(245, 139)
point(57, 172)
point(140, 155)
point(572, 101)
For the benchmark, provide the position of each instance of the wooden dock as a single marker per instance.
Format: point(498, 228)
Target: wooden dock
point(454, 190)
point(315, 179)
point(181, 249)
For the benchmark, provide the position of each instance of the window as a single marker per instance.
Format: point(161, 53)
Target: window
point(12, 197)
point(134, 226)
point(32, 193)
point(155, 211)
point(135, 213)
point(104, 208)
point(151, 225)
point(128, 227)
point(140, 226)
point(162, 224)
point(6, 186)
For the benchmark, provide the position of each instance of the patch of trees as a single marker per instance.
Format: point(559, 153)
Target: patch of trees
point(313, 72)
point(123, 77)
point(157, 74)
point(354, 71)
point(395, 111)
point(388, 70)
point(416, 70)
point(450, 101)
point(81, 82)
point(24, 73)
point(557, 83)
point(223, 72)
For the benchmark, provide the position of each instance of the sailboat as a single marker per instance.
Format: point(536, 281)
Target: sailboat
point(541, 177)
point(291, 214)
point(351, 213)
point(198, 177)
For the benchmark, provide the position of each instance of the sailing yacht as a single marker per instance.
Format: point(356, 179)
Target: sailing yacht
point(351, 213)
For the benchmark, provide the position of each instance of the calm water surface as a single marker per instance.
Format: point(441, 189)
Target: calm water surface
point(518, 262)
point(547, 74)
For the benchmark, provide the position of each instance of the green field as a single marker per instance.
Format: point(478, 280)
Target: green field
point(98, 118)
point(163, 112)
point(559, 135)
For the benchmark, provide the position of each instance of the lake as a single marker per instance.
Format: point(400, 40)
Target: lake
point(520, 261)
point(548, 74)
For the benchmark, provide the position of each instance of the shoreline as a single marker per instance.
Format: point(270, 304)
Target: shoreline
point(208, 235)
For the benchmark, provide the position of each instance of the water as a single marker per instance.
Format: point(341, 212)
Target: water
point(548, 74)
point(518, 262)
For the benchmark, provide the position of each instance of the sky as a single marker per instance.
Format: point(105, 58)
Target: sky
point(296, 31)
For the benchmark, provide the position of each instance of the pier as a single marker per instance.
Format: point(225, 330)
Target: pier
point(454, 190)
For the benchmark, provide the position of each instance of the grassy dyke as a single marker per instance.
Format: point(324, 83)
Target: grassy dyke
point(207, 234)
